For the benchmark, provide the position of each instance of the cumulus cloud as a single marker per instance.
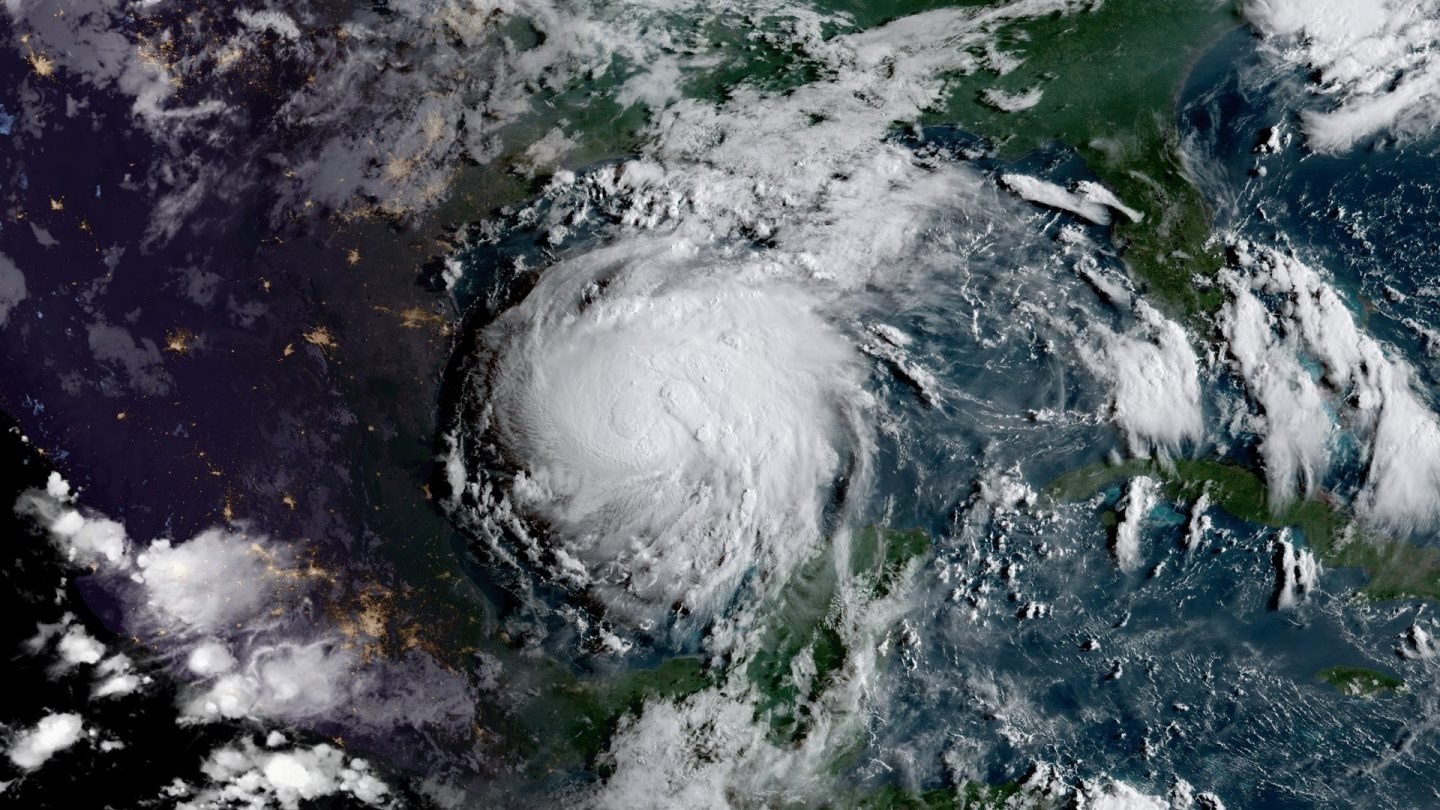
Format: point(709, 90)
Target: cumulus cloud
point(1154, 378)
point(1297, 572)
point(648, 396)
point(1297, 425)
point(1140, 498)
point(115, 677)
point(54, 733)
point(1375, 64)
point(247, 775)
point(212, 601)
point(74, 647)
point(1088, 200)
point(891, 345)
point(79, 647)
point(235, 619)
point(1013, 102)
point(1097, 193)
point(1115, 795)
point(209, 582)
point(280, 680)
point(1375, 389)
point(706, 749)
point(210, 658)
point(1048, 786)
point(732, 165)
point(1049, 194)
point(84, 538)
point(1417, 643)
point(1199, 523)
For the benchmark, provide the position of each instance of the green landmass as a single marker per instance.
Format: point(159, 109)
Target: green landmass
point(1394, 568)
point(806, 622)
point(1359, 681)
point(569, 721)
point(1111, 79)
point(971, 796)
point(882, 556)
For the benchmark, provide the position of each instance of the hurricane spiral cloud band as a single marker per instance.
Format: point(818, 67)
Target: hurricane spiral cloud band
point(670, 425)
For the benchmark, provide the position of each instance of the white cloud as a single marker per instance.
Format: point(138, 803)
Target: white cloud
point(79, 647)
point(679, 431)
point(707, 749)
point(890, 344)
point(1378, 396)
point(1088, 200)
point(1297, 572)
point(252, 777)
point(1154, 378)
point(1115, 795)
point(545, 154)
point(1297, 426)
point(297, 680)
point(1139, 499)
point(210, 582)
point(1048, 194)
point(115, 677)
point(759, 162)
point(1376, 64)
point(1416, 642)
point(1199, 524)
point(1049, 786)
point(54, 733)
point(210, 658)
point(693, 378)
point(229, 697)
point(192, 598)
point(1097, 193)
point(655, 86)
point(276, 22)
point(85, 540)
point(1013, 102)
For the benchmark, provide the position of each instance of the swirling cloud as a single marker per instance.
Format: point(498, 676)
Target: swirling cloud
point(672, 432)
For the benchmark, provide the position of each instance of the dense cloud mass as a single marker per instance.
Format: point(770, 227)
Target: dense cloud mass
point(676, 429)
point(1374, 63)
point(1155, 378)
point(53, 733)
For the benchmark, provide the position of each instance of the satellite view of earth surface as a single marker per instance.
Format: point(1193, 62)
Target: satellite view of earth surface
point(735, 403)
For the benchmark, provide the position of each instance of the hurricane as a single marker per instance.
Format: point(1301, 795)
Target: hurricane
point(667, 424)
